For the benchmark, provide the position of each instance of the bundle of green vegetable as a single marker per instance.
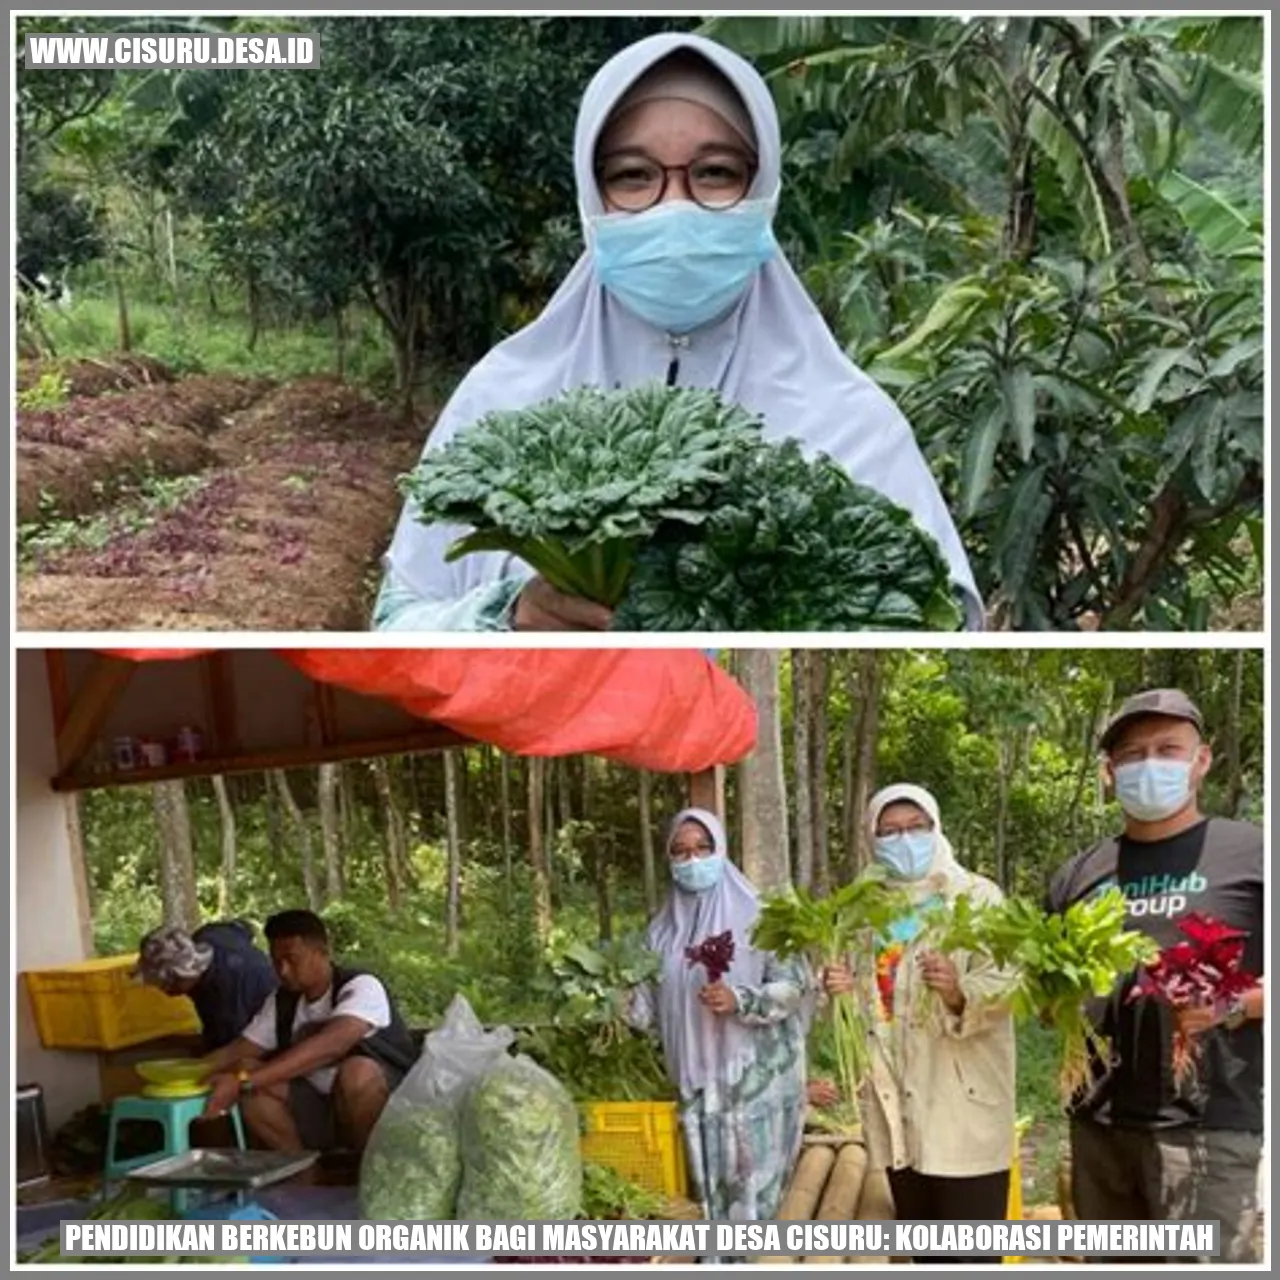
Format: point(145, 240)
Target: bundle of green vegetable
point(826, 931)
point(607, 1194)
point(1057, 962)
point(574, 485)
point(128, 1204)
point(791, 544)
point(412, 1169)
point(590, 1045)
point(668, 505)
point(520, 1143)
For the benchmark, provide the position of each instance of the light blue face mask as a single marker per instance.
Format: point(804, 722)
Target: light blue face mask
point(679, 265)
point(908, 855)
point(698, 874)
point(1152, 790)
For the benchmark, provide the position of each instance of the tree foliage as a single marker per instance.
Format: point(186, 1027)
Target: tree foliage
point(1006, 741)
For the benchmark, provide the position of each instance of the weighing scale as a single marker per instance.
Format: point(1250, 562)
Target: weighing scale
point(227, 1179)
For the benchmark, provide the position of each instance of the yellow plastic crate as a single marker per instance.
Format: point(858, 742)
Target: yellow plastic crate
point(641, 1141)
point(1014, 1210)
point(97, 1005)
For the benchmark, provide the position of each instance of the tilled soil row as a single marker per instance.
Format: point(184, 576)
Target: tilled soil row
point(285, 535)
point(79, 457)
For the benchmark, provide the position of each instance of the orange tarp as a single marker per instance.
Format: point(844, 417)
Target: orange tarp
point(668, 710)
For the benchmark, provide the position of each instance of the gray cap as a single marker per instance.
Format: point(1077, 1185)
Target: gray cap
point(1151, 702)
point(166, 954)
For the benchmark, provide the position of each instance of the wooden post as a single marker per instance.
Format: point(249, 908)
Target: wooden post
point(706, 790)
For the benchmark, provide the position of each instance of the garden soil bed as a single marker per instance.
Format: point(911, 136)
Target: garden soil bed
point(284, 532)
point(75, 458)
point(95, 377)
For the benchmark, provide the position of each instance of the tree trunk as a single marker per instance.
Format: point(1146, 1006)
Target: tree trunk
point(762, 787)
point(304, 838)
point(865, 681)
point(818, 770)
point(646, 844)
point(602, 867)
point(122, 311)
point(346, 816)
point(227, 871)
point(454, 844)
point(536, 767)
point(327, 793)
point(255, 312)
point(1006, 758)
point(394, 833)
point(588, 786)
point(564, 800)
point(177, 859)
point(340, 338)
point(801, 723)
point(1235, 778)
point(504, 777)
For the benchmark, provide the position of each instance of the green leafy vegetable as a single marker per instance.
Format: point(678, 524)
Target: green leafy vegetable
point(412, 1169)
point(826, 930)
point(607, 1194)
point(130, 1203)
point(668, 505)
point(574, 485)
point(520, 1143)
point(590, 1044)
point(1058, 962)
point(791, 544)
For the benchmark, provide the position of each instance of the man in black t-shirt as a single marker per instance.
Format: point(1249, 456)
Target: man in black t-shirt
point(1141, 1146)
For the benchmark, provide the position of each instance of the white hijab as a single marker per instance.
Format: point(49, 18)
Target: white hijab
point(700, 1046)
point(945, 875)
point(772, 353)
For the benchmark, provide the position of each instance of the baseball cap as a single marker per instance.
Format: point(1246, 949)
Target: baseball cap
point(1151, 702)
point(169, 954)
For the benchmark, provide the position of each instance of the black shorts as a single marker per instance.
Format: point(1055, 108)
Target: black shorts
point(314, 1113)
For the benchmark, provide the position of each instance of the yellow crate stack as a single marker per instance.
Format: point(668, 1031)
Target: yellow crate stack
point(96, 1004)
point(639, 1140)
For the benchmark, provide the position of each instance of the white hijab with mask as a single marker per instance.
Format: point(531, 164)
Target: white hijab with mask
point(945, 878)
point(772, 353)
point(700, 1046)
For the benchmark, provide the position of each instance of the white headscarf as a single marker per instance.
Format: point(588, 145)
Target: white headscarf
point(700, 1046)
point(945, 875)
point(772, 353)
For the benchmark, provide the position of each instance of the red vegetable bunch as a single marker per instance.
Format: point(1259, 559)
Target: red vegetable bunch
point(1203, 970)
point(714, 954)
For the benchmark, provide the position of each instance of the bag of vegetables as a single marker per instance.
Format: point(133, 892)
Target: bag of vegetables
point(520, 1144)
point(412, 1165)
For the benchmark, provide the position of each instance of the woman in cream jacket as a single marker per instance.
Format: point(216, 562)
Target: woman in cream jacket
point(938, 1106)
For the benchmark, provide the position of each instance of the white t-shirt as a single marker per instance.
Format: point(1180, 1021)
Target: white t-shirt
point(364, 997)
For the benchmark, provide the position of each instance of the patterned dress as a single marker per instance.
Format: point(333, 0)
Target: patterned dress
point(742, 1139)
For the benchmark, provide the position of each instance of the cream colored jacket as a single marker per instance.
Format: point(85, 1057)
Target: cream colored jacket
point(940, 1095)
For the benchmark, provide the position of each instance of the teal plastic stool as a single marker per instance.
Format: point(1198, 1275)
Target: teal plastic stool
point(174, 1116)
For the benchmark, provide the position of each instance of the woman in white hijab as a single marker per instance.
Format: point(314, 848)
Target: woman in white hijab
point(677, 157)
point(938, 1107)
point(734, 1048)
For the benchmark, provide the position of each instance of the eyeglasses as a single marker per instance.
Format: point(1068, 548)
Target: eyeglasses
point(684, 854)
point(633, 182)
point(1163, 751)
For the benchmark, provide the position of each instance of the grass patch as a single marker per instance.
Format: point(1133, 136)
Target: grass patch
point(197, 340)
point(1037, 1101)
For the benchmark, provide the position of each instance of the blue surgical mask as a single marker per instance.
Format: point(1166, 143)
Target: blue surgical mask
point(698, 874)
point(678, 265)
point(908, 855)
point(1151, 790)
